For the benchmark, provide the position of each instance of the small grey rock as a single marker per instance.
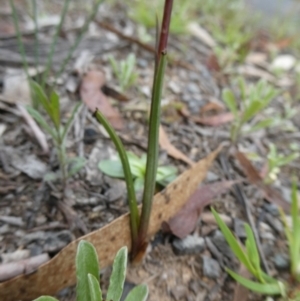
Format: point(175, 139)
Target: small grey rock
point(239, 228)
point(272, 208)
point(211, 177)
point(211, 268)
point(193, 88)
point(56, 241)
point(281, 261)
point(142, 63)
point(219, 241)
point(188, 245)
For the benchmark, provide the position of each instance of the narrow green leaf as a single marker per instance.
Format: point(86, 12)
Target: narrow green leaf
point(69, 122)
point(253, 108)
point(94, 288)
point(233, 243)
point(253, 254)
point(41, 121)
point(134, 214)
point(230, 101)
point(262, 288)
point(287, 159)
point(86, 263)
point(262, 125)
point(117, 277)
point(45, 298)
point(55, 107)
point(112, 168)
point(139, 293)
point(153, 146)
point(295, 246)
point(40, 97)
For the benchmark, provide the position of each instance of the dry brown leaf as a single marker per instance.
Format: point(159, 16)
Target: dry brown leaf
point(172, 151)
point(212, 106)
point(185, 221)
point(215, 120)
point(254, 177)
point(59, 272)
point(93, 97)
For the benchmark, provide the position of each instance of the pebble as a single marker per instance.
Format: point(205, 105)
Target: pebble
point(142, 63)
point(271, 208)
point(281, 261)
point(90, 136)
point(4, 229)
point(12, 220)
point(211, 268)
point(284, 62)
point(179, 291)
point(193, 88)
point(174, 87)
point(189, 245)
point(219, 241)
point(211, 177)
point(239, 228)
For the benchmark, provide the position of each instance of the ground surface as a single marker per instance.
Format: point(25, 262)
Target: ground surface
point(32, 216)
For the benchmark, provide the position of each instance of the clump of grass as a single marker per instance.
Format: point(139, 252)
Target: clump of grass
point(249, 257)
point(252, 101)
point(124, 71)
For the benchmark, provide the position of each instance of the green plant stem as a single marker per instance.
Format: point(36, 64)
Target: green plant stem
point(79, 38)
point(153, 135)
point(134, 214)
point(54, 42)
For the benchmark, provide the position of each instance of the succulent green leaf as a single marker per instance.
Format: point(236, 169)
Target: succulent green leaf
point(233, 243)
point(45, 298)
point(112, 168)
point(139, 293)
point(139, 184)
point(262, 288)
point(117, 277)
point(94, 288)
point(86, 263)
point(230, 101)
point(254, 107)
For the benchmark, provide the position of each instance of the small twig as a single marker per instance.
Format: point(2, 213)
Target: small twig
point(144, 46)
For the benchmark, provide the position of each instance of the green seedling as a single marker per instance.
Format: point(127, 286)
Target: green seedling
point(87, 272)
point(233, 39)
point(113, 168)
point(252, 102)
point(139, 224)
point(124, 71)
point(58, 132)
point(276, 160)
point(249, 256)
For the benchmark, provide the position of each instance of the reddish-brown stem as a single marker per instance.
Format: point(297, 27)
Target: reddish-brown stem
point(164, 33)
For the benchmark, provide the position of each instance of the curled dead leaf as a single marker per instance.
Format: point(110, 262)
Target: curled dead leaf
point(215, 120)
point(93, 97)
point(185, 221)
point(172, 151)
